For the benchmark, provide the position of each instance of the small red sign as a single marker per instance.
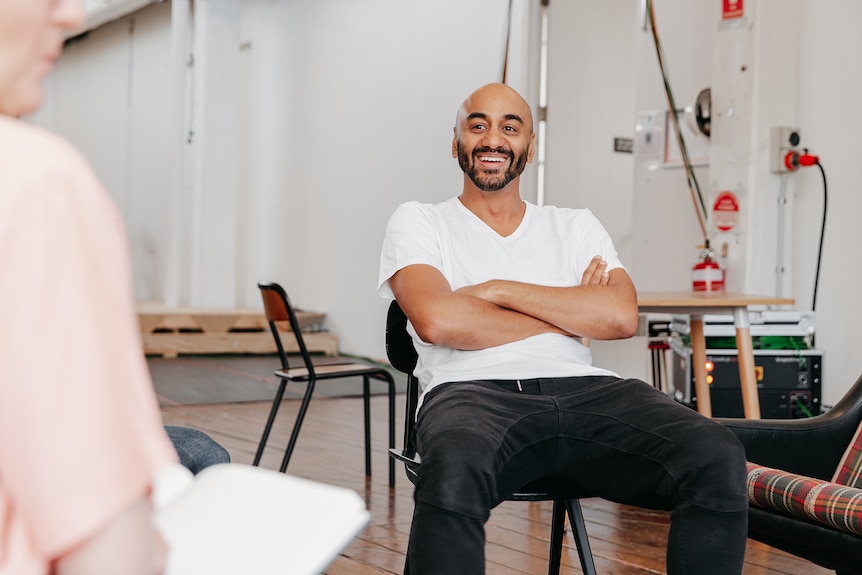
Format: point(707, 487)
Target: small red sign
point(731, 9)
point(725, 211)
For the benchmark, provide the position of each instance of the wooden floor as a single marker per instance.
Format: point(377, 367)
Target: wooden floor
point(625, 540)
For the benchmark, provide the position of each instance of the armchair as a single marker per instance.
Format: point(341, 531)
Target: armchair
point(804, 483)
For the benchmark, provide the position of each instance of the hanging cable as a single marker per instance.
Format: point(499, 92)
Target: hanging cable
point(822, 234)
point(793, 161)
point(694, 188)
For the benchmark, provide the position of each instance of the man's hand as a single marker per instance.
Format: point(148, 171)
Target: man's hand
point(596, 273)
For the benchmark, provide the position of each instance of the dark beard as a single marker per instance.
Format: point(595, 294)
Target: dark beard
point(486, 181)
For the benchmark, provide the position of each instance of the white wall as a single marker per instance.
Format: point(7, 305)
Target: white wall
point(351, 108)
point(591, 84)
point(665, 226)
point(346, 110)
point(110, 95)
point(830, 78)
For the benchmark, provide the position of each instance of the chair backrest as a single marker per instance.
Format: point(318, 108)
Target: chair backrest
point(277, 308)
point(402, 355)
point(399, 345)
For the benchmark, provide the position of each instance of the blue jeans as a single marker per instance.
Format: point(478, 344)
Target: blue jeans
point(196, 449)
point(621, 440)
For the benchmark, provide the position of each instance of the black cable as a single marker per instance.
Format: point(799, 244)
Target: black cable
point(822, 234)
point(693, 185)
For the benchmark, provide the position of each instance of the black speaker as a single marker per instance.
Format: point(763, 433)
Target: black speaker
point(788, 382)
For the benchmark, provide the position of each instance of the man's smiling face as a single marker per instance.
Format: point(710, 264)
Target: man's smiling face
point(493, 137)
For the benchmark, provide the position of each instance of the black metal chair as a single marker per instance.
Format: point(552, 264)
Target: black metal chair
point(402, 356)
point(278, 308)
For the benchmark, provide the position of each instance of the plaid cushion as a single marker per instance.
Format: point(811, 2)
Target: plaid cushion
point(838, 506)
point(849, 470)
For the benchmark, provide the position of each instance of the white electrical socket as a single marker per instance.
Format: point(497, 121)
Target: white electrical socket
point(782, 139)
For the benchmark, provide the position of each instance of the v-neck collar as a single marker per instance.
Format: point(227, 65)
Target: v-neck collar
point(515, 233)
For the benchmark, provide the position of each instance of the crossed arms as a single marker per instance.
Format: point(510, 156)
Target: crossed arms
point(496, 312)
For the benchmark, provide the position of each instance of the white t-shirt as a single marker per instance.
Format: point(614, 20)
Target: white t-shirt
point(552, 246)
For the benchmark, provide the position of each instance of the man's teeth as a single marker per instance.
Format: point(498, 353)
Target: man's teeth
point(492, 159)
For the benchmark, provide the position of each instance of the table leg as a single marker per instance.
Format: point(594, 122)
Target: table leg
point(747, 375)
point(698, 359)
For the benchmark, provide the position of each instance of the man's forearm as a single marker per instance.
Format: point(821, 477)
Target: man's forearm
point(466, 322)
point(597, 312)
point(458, 320)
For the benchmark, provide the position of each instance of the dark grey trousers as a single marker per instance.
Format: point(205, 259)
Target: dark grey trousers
point(619, 439)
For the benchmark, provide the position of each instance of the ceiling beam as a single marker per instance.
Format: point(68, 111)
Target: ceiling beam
point(103, 11)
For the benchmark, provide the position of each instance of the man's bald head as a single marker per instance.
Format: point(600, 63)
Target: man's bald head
point(499, 95)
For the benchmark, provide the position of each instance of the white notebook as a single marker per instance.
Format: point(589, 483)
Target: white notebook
point(234, 518)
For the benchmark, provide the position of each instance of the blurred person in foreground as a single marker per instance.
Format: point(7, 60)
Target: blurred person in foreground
point(81, 436)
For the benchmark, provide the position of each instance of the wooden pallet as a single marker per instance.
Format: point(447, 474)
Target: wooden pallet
point(172, 331)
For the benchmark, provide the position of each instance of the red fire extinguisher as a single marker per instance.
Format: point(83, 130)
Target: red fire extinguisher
point(707, 275)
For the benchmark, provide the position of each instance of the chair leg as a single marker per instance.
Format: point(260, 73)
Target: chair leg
point(654, 361)
point(579, 531)
point(272, 411)
point(558, 518)
point(391, 383)
point(366, 398)
point(299, 418)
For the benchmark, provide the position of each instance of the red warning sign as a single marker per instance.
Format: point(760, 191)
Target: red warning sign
point(725, 211)
point(731, 9)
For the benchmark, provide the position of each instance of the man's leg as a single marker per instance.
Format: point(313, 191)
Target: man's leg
point(443, 542)
point(628, 442)
point(475, 439)
point(196, 449)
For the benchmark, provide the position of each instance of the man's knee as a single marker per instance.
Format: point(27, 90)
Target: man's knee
point(196, 449)
point(458, 473)
point(716, 475)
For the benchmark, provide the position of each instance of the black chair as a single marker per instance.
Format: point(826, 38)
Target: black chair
point(402, 356)
point(278, 308)
point(812, 447)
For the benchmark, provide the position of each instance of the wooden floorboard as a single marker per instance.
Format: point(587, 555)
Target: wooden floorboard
point(624, 540)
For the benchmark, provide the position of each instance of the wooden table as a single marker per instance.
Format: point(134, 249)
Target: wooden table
point(698, 304)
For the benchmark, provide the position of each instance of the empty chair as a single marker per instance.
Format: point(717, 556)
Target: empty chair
point(278, 308)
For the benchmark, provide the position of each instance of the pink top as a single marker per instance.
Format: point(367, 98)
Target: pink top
point(81, 435)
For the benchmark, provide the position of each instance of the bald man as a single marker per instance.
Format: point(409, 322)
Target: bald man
point(499, 294)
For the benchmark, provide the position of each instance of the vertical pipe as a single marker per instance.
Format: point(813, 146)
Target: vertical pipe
point(644, 23)
point(543, 107)
point(782, 226)
point(176, 273)
point(504, 63)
